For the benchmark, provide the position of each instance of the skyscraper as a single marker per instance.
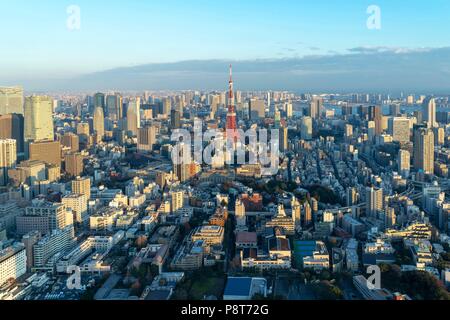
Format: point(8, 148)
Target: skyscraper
point(99, 122)
point(429, 111)
point(38, 118)
point(8, 158)
point(11, 100)
point(424, 150)
point(376, 116)
point(114, 105)
point(306, 128)
point(175, 119)
point(99, 101)
point(316, 107)
point(134, 116)
point(12, 127)
point(146, 138)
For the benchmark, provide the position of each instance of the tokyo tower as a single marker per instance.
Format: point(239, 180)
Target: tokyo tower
point(231, 126)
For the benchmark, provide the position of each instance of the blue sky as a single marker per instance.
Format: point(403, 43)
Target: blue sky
point(35, 39)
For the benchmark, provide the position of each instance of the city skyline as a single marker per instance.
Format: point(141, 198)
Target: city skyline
point(224, 151)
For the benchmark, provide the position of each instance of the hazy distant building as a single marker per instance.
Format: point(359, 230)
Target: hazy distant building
point(424, 150)
point(8, 159)
point(11, 100)
point(38, 118)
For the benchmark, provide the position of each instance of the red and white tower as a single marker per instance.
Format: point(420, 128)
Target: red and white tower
point(231, 127)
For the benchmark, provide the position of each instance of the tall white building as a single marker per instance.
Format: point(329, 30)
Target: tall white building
point(99, 122)
point(8, 158)
point(374, 201)
point(429, 111)
point(134, 116)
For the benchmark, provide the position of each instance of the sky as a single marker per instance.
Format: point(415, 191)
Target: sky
point(39, 50)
